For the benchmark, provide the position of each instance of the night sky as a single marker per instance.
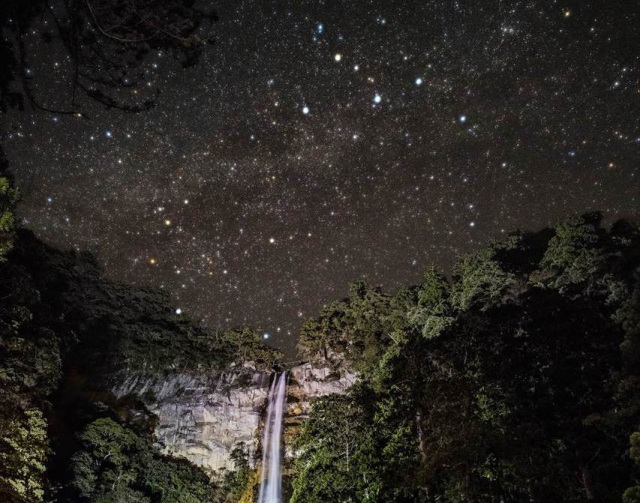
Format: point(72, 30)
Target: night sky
point(319, 142)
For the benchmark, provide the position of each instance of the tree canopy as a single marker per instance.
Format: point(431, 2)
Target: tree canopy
point(511, 380)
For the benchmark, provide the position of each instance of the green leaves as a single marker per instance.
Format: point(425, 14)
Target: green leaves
point(514, 380)
point(23, 453)
point(479, 281)
point(353, 452)
point(573, 256)
point(8, 199)
point(116, 464)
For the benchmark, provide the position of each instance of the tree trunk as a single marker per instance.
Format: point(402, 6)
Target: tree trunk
point(587, 483)
point(421, 441)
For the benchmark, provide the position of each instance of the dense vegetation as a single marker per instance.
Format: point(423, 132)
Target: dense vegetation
point(517, 379)
point(66, 334)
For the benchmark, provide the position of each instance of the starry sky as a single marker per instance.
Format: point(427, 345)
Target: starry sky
point(319, 142)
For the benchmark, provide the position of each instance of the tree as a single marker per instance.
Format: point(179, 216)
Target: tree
point(8, 199)
point(574, 254)
point(115, 463)
point(106, 43)
point(233, 484)
point(433, 312)
point(23, 454)
point(515, 380)
point(479, 281)
point(632, 494)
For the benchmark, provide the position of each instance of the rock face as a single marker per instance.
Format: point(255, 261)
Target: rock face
point(306, 383)
point(203, 417)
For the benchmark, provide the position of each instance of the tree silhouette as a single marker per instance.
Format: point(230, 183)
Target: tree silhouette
point(106, 43)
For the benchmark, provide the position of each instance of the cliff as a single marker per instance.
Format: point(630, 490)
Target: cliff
point(201, 417)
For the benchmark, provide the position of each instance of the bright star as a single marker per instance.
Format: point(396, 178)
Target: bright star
point(305, 110)
point(463, 118)
point(377, 98)
point(178, 311)
point(419, 81)
point(338, 57)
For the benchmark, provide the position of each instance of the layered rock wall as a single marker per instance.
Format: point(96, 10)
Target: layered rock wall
point(203, 417)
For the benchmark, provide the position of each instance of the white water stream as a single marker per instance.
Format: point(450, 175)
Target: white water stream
point(271, 482)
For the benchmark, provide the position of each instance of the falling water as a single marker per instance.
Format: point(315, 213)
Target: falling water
point(271, 483)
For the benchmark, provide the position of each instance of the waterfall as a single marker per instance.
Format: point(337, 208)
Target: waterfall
point(271, 482)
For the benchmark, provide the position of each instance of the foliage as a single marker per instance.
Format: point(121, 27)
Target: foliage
point(106, 44)
point(352, 452)
point(23, 453)
point(433, 310)
point(632, 494)
point(479, 281)
point(574, 255)
point(8, 200)
point(358, 328)
point(233, 484)
point(65, 332)
point(116, 464)
point(514, 380)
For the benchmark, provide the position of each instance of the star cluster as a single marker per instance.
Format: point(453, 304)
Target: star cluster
point(316, 143)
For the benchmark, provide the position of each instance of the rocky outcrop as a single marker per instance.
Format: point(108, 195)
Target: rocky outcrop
point(202, 417)
point(309, 381)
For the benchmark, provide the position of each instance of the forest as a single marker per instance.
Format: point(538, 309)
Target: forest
point(514, 379)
